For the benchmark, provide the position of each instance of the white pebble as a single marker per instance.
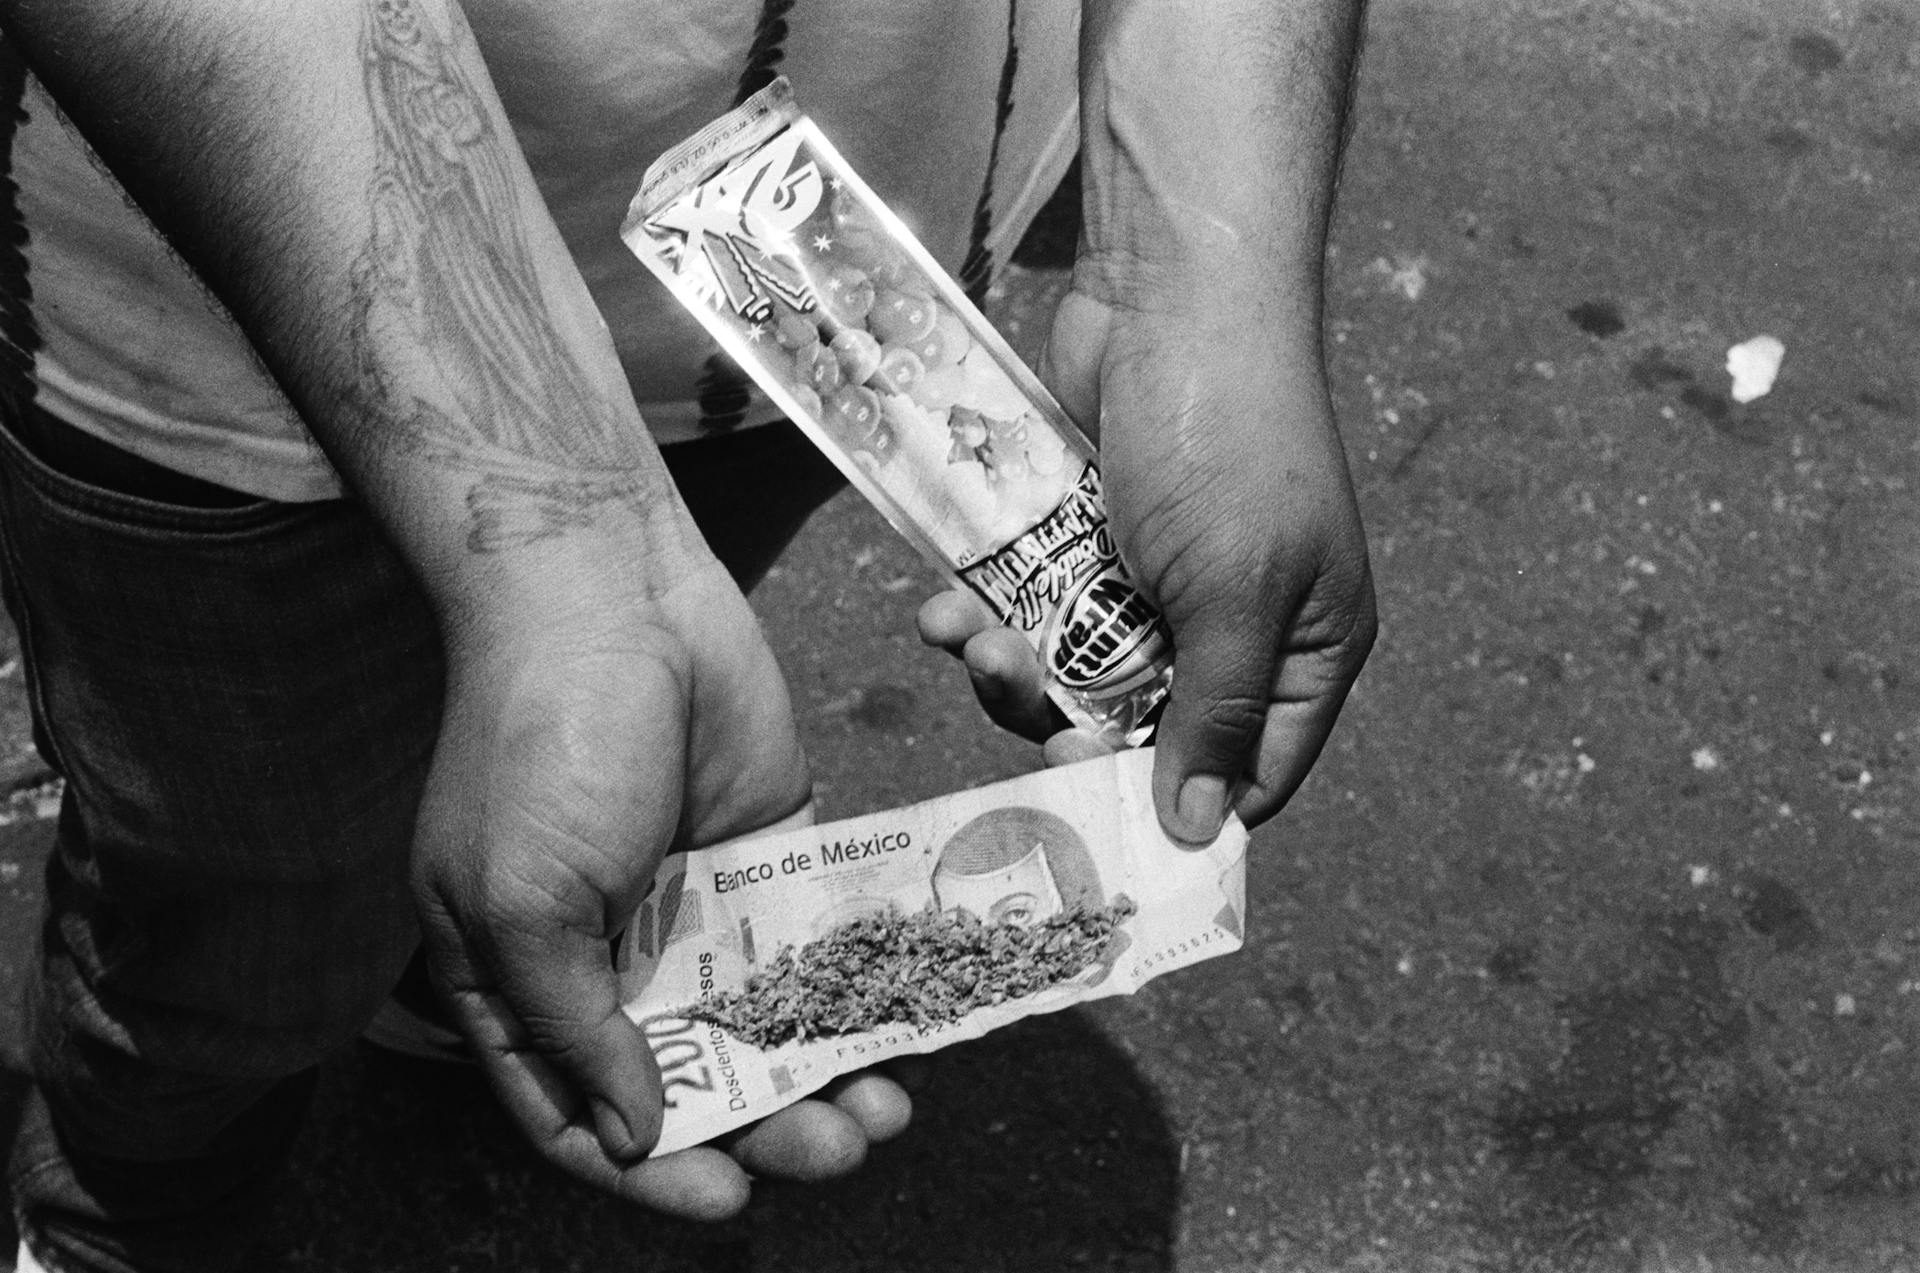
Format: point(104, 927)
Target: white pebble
point(1754, 364)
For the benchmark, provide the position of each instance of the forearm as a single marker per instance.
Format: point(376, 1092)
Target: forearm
point(342, 178)
point(1212, 133)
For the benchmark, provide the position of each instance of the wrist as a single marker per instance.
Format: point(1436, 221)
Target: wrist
point(630, 568)
point(1226, 296)
point(1211, 138)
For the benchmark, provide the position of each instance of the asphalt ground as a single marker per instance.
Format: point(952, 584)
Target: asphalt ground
point(1593, 943)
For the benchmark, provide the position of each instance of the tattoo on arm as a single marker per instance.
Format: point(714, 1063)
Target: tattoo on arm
point(449, 271)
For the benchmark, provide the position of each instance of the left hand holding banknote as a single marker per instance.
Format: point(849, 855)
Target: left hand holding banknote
point(551, 804)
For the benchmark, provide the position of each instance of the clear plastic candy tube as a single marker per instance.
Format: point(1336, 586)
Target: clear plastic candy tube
point(824, 297)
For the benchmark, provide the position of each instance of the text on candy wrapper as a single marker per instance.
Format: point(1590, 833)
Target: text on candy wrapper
point(1026, 579)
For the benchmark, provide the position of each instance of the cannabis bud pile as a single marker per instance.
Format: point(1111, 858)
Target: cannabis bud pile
point(923, 969)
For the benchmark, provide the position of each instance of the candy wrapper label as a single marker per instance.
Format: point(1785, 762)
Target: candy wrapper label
point(822, 295)
point(762, 969)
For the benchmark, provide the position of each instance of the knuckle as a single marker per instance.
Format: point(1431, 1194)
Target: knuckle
point(557, 1038)
point(528, 891)
point(1362, 636)
point(500, 897)
point(1193, 557)
point(1346, 621)
point(1232, 715)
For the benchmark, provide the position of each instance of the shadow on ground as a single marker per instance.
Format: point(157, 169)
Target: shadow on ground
point(1036, 1148)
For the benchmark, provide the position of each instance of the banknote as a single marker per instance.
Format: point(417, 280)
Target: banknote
point(763, 968)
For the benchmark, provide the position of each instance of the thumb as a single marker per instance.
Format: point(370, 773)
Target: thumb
point(563, 991)
point(573, 806)
point(1216, 714)
point(1259, 685)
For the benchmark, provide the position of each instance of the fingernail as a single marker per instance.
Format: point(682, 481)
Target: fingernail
point(1202, 807)
point(615, 1136)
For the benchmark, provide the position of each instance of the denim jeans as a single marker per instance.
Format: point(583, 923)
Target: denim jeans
point(242, 697)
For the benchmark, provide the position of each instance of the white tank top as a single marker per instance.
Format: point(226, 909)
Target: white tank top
point(135, 352)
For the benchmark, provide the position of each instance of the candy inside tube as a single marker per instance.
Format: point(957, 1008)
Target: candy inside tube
point(843, 318)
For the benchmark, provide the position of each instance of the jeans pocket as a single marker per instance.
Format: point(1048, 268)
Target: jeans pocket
point(90, 479)
point(237, 682)
point(243, 701)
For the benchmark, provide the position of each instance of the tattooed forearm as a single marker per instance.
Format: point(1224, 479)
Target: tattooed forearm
point(344, 181)
point(449, 271)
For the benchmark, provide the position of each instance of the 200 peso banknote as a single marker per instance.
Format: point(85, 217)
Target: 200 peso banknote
point(763, 968)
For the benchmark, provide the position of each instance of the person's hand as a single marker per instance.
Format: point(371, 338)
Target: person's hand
point(577, 748)
point(1230, 499)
